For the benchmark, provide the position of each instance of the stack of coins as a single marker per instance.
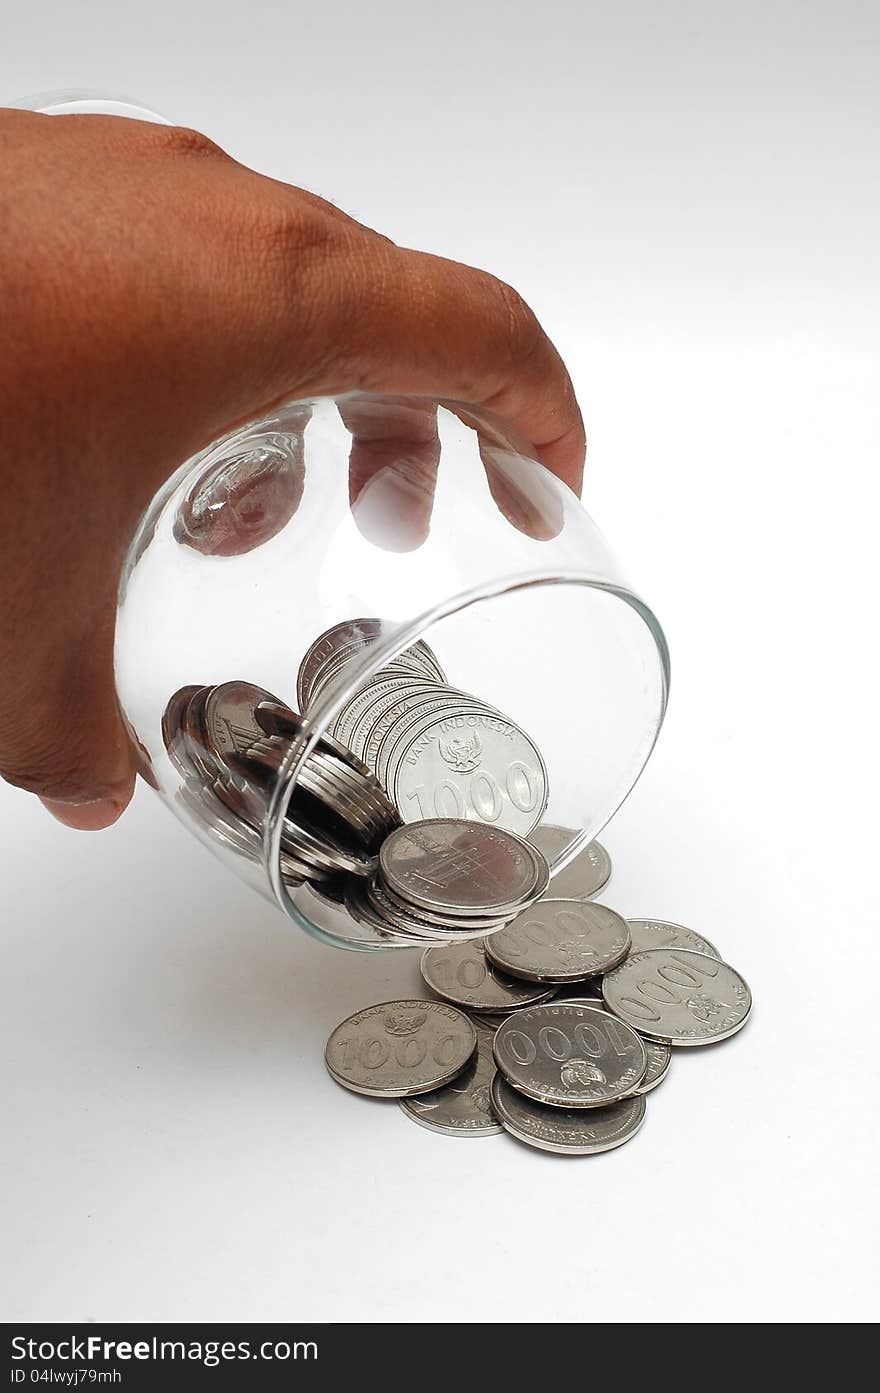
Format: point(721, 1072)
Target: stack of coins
point(549, 1062)
point(228, 743)
point(437, 751)
point(464, 873)
point(448, 878)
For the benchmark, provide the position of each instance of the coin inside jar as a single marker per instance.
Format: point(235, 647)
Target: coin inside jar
point(462, 974)
point(560, 941)
point(468, 868)
point(399, 1048)
point(678, 997)
point(570, 1055)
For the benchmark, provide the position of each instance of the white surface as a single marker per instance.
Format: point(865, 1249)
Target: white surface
point(690, 202)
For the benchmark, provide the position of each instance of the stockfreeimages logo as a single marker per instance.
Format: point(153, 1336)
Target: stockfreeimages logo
point(95, 1349)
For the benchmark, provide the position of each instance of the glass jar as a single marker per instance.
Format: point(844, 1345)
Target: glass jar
point(351, 557)
point(335, 543)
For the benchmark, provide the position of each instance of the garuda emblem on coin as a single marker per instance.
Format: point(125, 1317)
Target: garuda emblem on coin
point(398, 1024)
point(576, 1073)
point(704, 1007)
point(462, 755)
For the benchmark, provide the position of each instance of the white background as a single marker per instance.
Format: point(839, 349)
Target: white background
point(688, 196)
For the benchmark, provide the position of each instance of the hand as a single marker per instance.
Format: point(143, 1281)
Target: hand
point(156, 293)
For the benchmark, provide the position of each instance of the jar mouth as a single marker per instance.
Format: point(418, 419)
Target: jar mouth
point(384, 650)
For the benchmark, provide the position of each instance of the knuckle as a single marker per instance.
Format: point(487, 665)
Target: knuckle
point(287, 232)
point(181, 141)
point(524, 335)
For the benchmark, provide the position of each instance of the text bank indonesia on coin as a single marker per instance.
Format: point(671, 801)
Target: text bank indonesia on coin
point(400, 1048)
point(679, 997)
point(570, 1055)
point(659, 933)
point(567, 1131)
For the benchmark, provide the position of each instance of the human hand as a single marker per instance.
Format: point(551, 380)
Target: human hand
point(156, 293)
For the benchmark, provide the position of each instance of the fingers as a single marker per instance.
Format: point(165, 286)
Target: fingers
point(382, 319)
point(395, 450)
point(61, 736)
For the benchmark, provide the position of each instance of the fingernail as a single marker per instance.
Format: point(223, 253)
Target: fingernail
point(89, 816)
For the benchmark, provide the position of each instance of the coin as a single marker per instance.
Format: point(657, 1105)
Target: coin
point(446, 925)
point(584, 876)
point(362, 910)
point(361, 708)
point(566, 1130)
point(570, 1054)
point(173, 733)
point(463, 867)
point(400, 1048)
point(659, 1059)
point(335, 921)
point(560, 941)
point(229, 720)
point(462, 1108)
point(404, 918)
point(327, 646)
point(461, 973)
point(677, 996)
point(388, 742)
point(657, 933)
point(471, 763)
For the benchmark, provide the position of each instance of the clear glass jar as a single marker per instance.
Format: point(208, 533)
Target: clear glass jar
point(422, 522)
point(399, 521)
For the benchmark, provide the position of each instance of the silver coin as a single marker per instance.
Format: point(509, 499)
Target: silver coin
point(388, 741)
point(370, 701)
point(552, 840)
point(386, 736)
point(400, 1048)
point(567, 1131)
point(331, 918)
point(229, 717)
point(327, 646)
point(337, 646)
point(277, 719)
point(584, 876)
point(173, 733)
point(462, 1108)
point(361, 909)
point(470, 763)
point(570, 1055)
point(360, 707)
point(301, 837)
point(658, 933)
point(659, 1059)
point(461, 973)
point(560, 941)
point(466, 868)
point(679, 997)
point(401, 918)
point(446, 926)
point(198, 747)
